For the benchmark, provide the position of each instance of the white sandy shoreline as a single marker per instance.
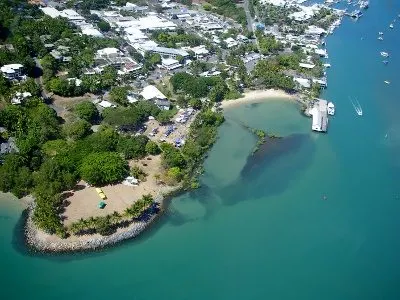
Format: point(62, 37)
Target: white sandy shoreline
point(258, 96)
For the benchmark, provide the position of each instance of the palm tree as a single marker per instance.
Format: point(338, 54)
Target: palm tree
point(115, 217)
point(147, 199)
point(157, 178)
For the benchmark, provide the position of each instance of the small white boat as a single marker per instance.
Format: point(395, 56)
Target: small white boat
point(331, 109)
point(380, 33)
point(356, 106)
point(391, 26)
point(384, 54)
point(387, 81)
point(380, 38)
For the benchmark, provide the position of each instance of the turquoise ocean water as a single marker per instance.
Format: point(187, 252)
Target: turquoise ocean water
point(260, 229)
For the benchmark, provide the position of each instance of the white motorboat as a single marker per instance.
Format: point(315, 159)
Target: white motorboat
point(387, 81)
point(380, 33)
point(391, 26)
point(331, 109)
point(384, 54)
point(364, 4)
point(356, 106)
point(380, 38)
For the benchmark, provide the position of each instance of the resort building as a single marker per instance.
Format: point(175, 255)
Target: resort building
point(13, 71)
point(150, 22)
point(116, 58)
point(163, 51)
point(199, 51)
point(170, 64)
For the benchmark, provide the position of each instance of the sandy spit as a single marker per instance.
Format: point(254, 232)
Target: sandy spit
point(258, 96)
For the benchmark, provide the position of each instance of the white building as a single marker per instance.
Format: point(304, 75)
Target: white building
point(314, 30)
point(199, 51)
point(12, 71)
point(150, 92)
point(108, 52)
point(72, 15)
point(170, 52)
point(304, 82)
point(50, 11)
point(306, 66)
point(230, 42)
point(211, 27)
point(106, 104)
point(116, 58)
point(148, 23)
point(321, 52)
point(20, 97)
point(91, 31)
point(170, 64)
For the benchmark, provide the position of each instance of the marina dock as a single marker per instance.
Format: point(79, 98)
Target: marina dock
point(319, 114)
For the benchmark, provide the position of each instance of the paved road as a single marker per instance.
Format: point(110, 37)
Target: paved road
point(39, 80)
point(250, 21)
point(249, 18)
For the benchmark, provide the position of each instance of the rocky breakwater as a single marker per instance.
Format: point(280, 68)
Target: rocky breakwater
point(43, 242)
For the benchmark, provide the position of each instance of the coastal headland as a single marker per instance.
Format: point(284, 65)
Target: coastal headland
point(79, 203)
point(108, 128)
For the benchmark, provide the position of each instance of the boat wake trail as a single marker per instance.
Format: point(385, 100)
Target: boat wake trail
point(356, 105)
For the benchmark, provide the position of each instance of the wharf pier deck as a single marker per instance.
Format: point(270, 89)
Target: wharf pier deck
point(319, 114)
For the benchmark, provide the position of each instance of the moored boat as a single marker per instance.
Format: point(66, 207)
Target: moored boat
point(331, 109)
point(384, 54)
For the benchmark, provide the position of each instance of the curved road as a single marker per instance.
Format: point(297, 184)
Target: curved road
point(249, 18)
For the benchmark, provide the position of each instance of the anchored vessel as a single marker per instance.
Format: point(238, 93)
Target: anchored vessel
point(364, 4)
point(331, 109)
point(384, 54)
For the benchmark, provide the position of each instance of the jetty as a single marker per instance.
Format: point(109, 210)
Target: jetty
point(319, 113)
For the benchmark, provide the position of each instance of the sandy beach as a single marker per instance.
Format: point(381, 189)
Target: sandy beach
point(258, 96)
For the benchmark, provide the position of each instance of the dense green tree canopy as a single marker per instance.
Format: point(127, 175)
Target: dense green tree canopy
point(119, 94)
point(133, 147)
point(103, 168)
point(130, 118)
point(87, 111)
point(104, 26)
point(152, 148)
point(77, 130)
point(172, 157)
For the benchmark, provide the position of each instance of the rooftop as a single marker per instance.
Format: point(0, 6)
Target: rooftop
point(151, 92)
